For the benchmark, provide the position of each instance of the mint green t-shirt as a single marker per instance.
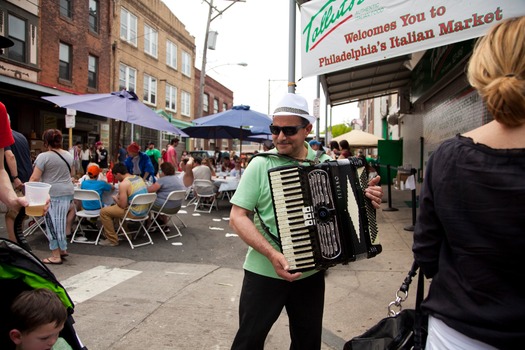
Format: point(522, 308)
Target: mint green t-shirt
point(254, 192)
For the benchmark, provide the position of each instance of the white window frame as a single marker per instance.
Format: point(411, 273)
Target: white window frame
point(215, 105)
point(171, 54)
point(186, 64)
point(65, 59)
point(151, 37)
point(150, 90)
point(205, 102)
point(130, 77)
point(185, 103)
point(93, 70)
point(128, 26)
point(224, 106)
point(18, 52)
point(94, 14)
point(171, 98)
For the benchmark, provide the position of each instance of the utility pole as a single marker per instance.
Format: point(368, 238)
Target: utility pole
point(205, 50)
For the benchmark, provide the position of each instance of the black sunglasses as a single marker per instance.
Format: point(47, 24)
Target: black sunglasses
point(287, 130)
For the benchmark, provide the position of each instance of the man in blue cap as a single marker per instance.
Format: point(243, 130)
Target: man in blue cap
point(316, 145)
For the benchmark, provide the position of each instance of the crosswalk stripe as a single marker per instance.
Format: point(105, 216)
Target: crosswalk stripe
point(94, 281)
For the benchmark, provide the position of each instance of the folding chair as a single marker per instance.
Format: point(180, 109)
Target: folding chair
point(204, 190)
point(140, 199)
point(86, 195)
point(173, 196)
point(38, 222)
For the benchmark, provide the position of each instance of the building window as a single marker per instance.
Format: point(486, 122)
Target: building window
point(65, 62)
point(171, 54)
point(224, 107)
point(127, 78)
point(171, 98)
point(205, 102)
point(150, 89)
point(92, 72)
point(65, 8)
point(18, 34)
point(186, 64)
point(128, 26)
point(185, 103)
point(215, 105)
point(93, 15)
point(150, 40)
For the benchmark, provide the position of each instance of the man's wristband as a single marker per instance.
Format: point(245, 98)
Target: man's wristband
point(13, 178)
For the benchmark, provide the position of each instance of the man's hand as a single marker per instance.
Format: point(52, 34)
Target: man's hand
point(374, 192)
point(17, 184)
point(281, 267)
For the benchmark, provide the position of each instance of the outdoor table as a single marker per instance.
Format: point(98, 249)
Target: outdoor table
point(227, 185)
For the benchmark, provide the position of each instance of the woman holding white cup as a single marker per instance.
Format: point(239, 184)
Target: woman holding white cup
point(55, 168)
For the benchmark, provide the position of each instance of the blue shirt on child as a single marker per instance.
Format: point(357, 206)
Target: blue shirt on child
point(96, 185)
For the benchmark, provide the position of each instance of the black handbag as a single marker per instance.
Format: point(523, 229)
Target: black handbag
point(402, 329)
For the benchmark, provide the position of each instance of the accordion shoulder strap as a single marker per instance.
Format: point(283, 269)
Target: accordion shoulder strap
point(267, 230)
point(264, 154)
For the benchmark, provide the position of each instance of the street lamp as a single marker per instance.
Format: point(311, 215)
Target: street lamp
point(242, 64)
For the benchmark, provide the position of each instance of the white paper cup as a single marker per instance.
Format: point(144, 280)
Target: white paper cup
point(37, 194)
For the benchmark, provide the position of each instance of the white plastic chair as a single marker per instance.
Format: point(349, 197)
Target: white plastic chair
point(140, 199)
point(173, 196)
point(206, 195)
point(86, 195)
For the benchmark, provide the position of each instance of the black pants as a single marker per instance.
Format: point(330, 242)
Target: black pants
point(85, 164)
point(262, 300)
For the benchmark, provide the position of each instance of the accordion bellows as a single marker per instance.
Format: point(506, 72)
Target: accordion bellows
point(323, 218)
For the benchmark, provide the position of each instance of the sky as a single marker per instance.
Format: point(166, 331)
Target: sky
point(253, 32)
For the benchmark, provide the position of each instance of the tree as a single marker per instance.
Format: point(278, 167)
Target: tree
point(340, 129)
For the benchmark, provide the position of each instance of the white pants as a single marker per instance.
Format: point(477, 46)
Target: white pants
point(441, 336)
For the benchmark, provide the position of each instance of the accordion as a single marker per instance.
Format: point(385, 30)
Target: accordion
point(323, 217)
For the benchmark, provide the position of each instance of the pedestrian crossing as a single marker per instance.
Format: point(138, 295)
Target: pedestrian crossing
point(92, 282)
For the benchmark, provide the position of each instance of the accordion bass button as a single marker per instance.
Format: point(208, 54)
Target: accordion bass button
point(324, 213)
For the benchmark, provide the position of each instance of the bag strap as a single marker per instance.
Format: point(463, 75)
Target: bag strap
point(402, 293)
point(401, 296)
point(65, 161)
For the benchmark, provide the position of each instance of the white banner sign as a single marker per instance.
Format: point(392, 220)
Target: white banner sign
point(339, 34)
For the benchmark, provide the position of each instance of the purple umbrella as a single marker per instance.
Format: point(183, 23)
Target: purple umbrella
point(121, 105)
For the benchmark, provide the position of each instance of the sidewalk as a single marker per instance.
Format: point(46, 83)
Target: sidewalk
point(177, 303)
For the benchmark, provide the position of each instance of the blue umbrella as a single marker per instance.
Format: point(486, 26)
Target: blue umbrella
point(239, 117)
point(120, 105)
point(217, 132)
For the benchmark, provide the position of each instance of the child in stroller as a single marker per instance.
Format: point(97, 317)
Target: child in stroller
point(37, 317)
point(22, 271)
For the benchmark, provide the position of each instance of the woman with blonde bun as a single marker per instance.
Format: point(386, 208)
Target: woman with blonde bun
point(470, 233)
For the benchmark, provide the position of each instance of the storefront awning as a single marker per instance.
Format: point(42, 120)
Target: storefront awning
point(176, 122)
point(368, 81)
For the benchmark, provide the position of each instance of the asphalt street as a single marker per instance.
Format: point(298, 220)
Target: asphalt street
point(183, 293)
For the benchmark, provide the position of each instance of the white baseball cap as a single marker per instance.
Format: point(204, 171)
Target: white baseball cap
point(293, 104)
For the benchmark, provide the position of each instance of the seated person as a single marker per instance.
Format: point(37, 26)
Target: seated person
point(130, 185)
point(86, 176)
point(201, 171)
point(167, 183)
point(96, 185)
point(139, 163)
point(37, 317)
point(226, 164)
point(209, 163)
point(238, 170)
